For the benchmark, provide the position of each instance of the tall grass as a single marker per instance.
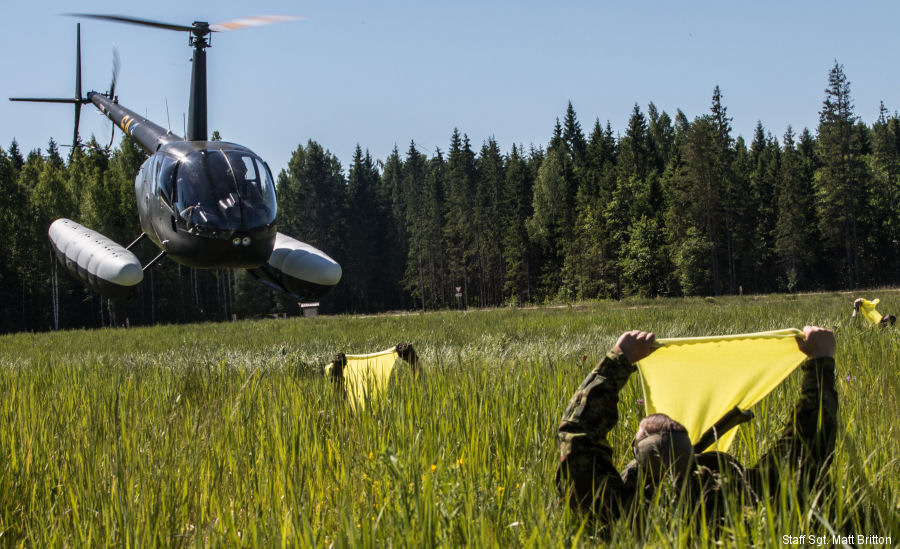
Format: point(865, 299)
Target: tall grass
point(228, 434)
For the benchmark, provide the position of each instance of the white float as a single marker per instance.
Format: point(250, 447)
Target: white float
point(96, 260)
point(299, 268)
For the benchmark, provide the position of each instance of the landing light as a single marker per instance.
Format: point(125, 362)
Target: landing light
point(236, 241)
point(246, 241)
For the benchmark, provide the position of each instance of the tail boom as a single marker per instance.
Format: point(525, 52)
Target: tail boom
point(149, 135)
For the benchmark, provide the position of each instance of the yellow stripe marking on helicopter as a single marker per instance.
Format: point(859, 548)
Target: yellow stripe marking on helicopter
point(128, 126)
point(123, 122)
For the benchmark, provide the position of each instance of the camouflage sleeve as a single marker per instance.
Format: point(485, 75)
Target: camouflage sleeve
point(586, 475)
point(807, 441)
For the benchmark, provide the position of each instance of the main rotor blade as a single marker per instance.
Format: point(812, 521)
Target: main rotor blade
point(256, 21)
point(45, 100)
point(133, 21)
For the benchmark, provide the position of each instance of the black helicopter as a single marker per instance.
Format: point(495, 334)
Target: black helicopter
point(206, 204)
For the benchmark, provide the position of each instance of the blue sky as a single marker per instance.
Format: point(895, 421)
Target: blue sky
point(384, 73)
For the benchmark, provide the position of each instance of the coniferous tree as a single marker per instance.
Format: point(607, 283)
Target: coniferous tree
point(16, 211)
point(795, 233)
point(312, 205)
point(884, 165)
point(692, 217)
point(367, 242)
point(15, 156)
point(392, 205)
point(514, 210)
point(438, 284)
point(101, 195)
point(489, 177)
point(638, 191)
point(761, 215)
point(744, 219)
point(13, 254)
point(573, 137)
point(459, 233)
point(634, 147)
point(550, 224)
point(644, 267)
point(413, 185)
point(125, 163)
point(841, 181)
point(53, 198)
point(587, 265)
point(672, 180)
point(661, 137)
point(557, 139)
point(723, 197)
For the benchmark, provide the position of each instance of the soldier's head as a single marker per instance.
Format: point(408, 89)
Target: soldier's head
point(662, 444)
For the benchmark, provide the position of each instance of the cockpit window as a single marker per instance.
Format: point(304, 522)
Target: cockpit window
point(254, 185)
point(249, 168)
point(166, 178)
point(224, 189)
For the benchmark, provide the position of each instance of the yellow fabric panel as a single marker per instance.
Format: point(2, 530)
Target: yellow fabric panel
point(697, 380)
point(867, 308)
point(367, 376)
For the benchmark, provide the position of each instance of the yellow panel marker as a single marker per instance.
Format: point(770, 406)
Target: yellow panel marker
point(697, 380)
point(867, 308)
point(365, 377)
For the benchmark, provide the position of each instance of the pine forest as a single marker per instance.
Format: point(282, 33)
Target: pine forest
point(664, 207)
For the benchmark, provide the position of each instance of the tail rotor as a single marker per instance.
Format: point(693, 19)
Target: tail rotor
point(112, 90)
point(115, 72)
point(78, 101)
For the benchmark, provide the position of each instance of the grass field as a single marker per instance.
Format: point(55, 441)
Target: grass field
point(228, 434)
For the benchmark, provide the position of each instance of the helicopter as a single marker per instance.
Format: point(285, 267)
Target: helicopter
point(205, 204)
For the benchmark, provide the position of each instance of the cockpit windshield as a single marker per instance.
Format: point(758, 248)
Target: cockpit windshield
point(224, 189)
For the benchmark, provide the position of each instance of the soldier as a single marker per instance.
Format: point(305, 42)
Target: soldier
point(588, 479)
point(886, 319)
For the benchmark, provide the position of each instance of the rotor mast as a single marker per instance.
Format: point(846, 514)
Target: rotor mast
point(199, 40)
point(196, 129)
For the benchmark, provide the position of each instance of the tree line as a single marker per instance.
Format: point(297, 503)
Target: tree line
point(669, 207)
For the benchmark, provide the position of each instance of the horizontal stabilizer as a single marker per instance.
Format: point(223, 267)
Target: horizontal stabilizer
point(299, 269)
point(95, 260)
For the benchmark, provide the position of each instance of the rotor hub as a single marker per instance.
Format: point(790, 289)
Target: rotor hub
point(199, 32)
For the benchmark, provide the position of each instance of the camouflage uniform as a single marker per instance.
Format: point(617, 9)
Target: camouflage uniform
point(587, 477)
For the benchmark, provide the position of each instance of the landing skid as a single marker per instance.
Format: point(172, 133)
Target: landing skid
point(153, 261)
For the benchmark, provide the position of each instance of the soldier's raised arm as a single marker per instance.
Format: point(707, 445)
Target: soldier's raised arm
point(586, 475)
point(807, 441)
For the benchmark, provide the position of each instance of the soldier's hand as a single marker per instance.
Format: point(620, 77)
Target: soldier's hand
point(817, 342)
point(635, 345)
